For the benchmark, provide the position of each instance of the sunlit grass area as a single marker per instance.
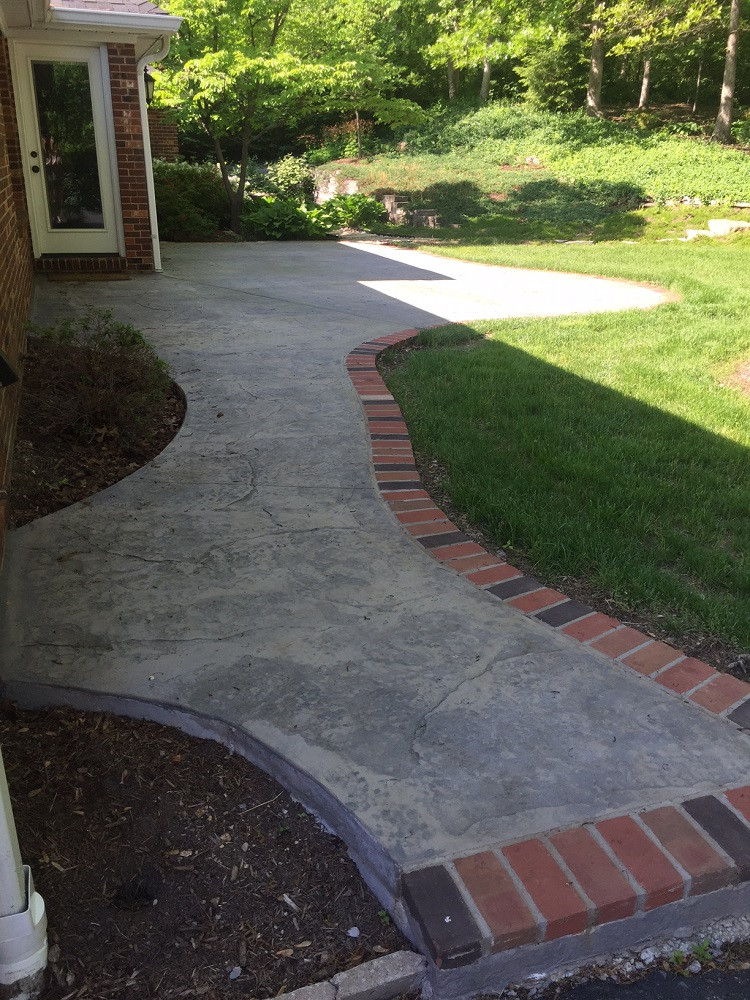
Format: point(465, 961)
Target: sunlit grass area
point(611, 448)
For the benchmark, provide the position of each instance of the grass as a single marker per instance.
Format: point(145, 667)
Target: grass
point(480, 201)
point(608, 448)
point(509, 174)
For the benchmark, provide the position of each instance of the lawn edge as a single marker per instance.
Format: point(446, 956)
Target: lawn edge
point(401, 488)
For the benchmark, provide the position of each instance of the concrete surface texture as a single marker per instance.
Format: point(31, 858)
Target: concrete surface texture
point(251, 573)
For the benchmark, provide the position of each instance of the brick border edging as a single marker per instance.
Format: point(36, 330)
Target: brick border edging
point(568, 881)
point(402, 490)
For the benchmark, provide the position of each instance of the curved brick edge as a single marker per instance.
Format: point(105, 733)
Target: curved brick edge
point(567, 882)
point(401, 488)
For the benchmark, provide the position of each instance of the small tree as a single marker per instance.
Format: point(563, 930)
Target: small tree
point(240, 67)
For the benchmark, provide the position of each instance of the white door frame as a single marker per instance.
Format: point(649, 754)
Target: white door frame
point(45, 238)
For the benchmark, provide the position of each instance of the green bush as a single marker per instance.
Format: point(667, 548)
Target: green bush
point(109, 380)
point(274, 218)
point(352, 211)
point(291, 177)
point(741, 130)
point(191, 203)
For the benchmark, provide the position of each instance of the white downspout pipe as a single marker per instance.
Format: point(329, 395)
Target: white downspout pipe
point(149, 57)
point(23, 921)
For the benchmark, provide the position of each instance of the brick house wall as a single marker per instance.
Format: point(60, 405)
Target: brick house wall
point(163, 131)
point(15, 273)
point(131, 164)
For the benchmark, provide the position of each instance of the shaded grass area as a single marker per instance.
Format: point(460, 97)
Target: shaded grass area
point(605, 447)
point(480, 200)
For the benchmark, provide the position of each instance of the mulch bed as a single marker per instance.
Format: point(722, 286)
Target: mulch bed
point(52, 471)
point(721, 655)
point(172, 868)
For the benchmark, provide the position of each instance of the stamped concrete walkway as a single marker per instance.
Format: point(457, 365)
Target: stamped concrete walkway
point(251, 583)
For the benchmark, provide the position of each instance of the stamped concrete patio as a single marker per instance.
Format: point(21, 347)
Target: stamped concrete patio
point(250, 584)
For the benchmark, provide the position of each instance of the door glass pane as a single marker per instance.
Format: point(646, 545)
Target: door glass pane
point(68, 153)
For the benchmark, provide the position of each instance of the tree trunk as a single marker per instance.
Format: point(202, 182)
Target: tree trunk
point(698, 85)
point(645, 83)
point(359, 135)
point(484, 90)
point(593, 105)
point(722, 128)
point(451, 81)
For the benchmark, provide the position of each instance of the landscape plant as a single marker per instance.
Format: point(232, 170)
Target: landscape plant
point(109, 380)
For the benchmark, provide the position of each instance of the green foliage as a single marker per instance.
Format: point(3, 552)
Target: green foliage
point(579, 150)
point(111, 379)
point(274, 218)
point(352, 211)
point(552, 73)
point(291, 177)
point(741, 130)
point(190, 201)
point(545, 425)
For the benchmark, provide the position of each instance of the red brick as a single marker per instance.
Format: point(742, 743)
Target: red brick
point(498, 900)
point(589, 628)
point(445, 552)
point(431, 528)
point(706, 868)
point(417, 516)
point(620, 642)
point(646, 863)
point(604, 884)
point(721, 693)
point(536, 601)
point(740, 799)
point(685, 675)
point(406, 495)
point(557, 899)
point(406, 505)
point(465, 563)
point(407, 476)
point(495, 575)
point(652, 657)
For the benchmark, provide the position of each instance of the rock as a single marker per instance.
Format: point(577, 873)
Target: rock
point(694, 968)
point(648, 955)
point(425, 217)
point(723, 227)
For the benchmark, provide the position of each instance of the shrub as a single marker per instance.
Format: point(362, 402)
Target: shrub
point(191, 203)
point(291, 177)
point(353, 211)
point(282, 219)
point(110, 379)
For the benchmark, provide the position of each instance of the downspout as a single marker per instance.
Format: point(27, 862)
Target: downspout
point(148, 57)
point(23, 921)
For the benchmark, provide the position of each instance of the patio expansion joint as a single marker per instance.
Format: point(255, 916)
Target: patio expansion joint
point(533, 891)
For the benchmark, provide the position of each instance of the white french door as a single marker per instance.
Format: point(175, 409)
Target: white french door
point(63, 102)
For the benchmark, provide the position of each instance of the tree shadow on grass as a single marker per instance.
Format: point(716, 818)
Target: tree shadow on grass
point(586, 480)
point(542, 208)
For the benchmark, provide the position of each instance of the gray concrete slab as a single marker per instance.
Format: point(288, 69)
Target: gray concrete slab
point(251, 574)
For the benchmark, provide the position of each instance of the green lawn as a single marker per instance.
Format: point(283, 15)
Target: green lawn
point(607, 447)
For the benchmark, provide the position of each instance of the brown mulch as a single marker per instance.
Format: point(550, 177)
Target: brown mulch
point(172, 868)
point(721, 655)
point(52, 471)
